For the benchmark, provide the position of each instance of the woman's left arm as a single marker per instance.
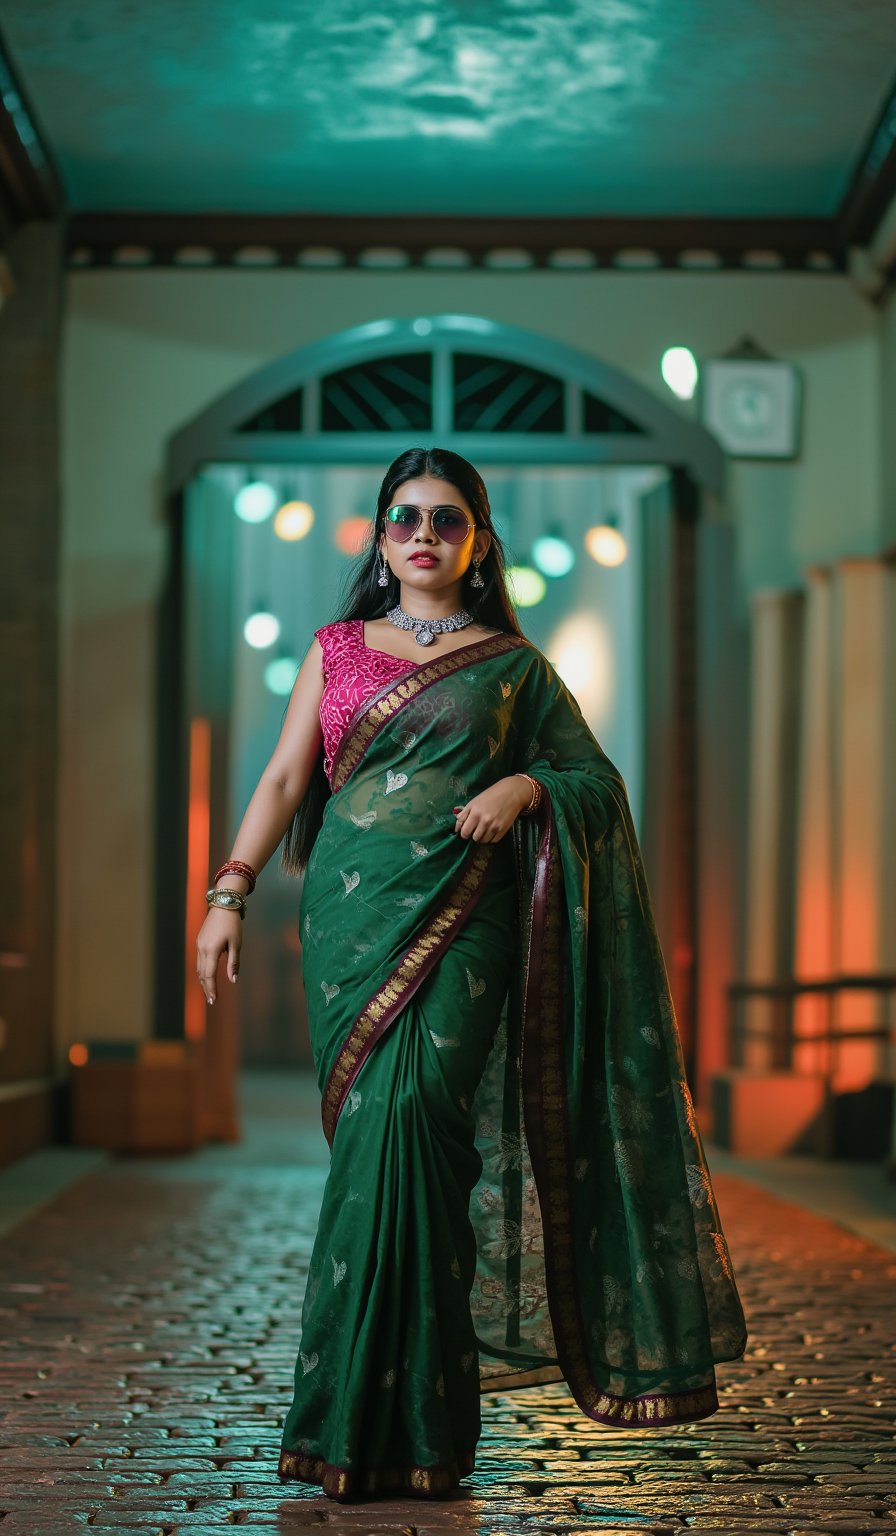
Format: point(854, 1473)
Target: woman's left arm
point(491, 813)
point(557, 747)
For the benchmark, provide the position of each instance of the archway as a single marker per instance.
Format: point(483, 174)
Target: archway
point(502, 394)
point(362, 391)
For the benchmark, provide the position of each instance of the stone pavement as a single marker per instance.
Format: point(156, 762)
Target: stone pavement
point(149, 1320)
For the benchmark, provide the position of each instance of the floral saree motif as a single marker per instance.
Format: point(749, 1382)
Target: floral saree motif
point(518, 1191)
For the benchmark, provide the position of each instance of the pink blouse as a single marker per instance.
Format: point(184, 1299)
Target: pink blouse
point(353, 672)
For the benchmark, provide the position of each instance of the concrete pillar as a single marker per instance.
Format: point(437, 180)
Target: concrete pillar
point(815, 917)
point(762, 1109)
point(864, 665)
point(774, 737)
point(33, 276)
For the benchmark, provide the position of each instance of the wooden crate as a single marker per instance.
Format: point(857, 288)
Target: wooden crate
point(148, 1102)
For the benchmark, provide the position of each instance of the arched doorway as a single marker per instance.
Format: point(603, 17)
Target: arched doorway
point(502, 395)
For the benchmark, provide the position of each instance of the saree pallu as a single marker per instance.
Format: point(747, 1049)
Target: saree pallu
point(518, 1190)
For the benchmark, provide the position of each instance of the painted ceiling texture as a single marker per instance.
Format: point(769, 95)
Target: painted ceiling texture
point(697, 108)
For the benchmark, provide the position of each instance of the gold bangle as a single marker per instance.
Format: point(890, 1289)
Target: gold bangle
point(536, 794)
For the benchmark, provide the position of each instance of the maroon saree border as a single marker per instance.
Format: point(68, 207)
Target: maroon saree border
point(546, 1118)
point(346, 1483)
point(414, 966)
point(370, 717)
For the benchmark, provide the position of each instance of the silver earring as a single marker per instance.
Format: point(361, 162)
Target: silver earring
point(477, 580)
point(383, 578)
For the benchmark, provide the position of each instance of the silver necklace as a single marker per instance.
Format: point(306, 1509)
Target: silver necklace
point(425, 630)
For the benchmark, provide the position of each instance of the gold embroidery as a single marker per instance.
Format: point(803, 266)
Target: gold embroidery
point(384, 708)
point(340, 1482)
point(394, 992)
point(689, 1110)
point(721, 1247)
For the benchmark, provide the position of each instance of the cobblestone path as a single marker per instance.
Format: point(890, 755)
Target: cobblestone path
point(149, 1320)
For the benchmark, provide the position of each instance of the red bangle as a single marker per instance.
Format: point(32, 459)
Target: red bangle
point(532, 807)
point(238, 867)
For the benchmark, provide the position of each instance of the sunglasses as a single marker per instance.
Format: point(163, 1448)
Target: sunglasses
point(448, 523)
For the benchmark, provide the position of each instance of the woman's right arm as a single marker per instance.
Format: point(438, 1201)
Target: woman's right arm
point(277, 797)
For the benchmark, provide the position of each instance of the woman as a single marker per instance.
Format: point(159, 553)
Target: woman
point(517, 1190)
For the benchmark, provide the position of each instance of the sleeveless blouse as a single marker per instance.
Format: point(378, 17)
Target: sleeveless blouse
point(353, 672)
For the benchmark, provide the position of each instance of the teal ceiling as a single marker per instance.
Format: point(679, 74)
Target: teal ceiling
point(574, 107)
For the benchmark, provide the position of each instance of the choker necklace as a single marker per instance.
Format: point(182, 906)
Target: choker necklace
point(425, 630)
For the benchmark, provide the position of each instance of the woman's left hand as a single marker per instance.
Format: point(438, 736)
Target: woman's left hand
point(491, 813)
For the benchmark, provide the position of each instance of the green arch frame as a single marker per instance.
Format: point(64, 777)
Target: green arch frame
point(664, 435)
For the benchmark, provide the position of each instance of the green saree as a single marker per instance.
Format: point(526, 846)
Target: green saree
point(517, 1191)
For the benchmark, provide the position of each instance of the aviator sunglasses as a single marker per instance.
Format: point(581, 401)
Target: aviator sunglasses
point(448, 523)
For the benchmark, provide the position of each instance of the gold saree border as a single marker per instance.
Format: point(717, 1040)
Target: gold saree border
point(546, 1118)
point(414, 966)
point(347, 1483)
point(370, 717)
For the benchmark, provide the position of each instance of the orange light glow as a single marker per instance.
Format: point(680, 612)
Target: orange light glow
point(605, 545)
point(197, 870)
point(77, 1055)
point(293, 520)
point(351, 534)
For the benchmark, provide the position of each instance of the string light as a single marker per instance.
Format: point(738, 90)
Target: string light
point(294, 520)
point(255, 501)
point(261, 629)
point(680, 371)
point(527, 586)
point(605, 543)
point(553, 554)
point(280, 674)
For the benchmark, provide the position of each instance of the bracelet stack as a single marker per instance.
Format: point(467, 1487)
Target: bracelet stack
point(534, 803)
point(224, 896)
point(237, 867)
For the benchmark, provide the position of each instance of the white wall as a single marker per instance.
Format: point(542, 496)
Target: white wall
point(144, 352)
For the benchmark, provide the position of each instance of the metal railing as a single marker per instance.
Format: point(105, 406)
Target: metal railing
point(783, 1041)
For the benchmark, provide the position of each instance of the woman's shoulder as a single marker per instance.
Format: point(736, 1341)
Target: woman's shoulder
point(338, 629)
point(339, 642)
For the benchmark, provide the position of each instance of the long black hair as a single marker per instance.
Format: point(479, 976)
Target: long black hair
point(364, 598)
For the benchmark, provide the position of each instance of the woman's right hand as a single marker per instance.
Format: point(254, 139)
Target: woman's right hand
point(219, 934)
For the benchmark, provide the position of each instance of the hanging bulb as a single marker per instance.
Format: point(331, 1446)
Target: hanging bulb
point(605, 543)
point(255, 502)
point(527, 587)
point(262, 628)
point(293, 520)
point(352, 534)
point(280, 672)
point(680, 371)
point(553, 553)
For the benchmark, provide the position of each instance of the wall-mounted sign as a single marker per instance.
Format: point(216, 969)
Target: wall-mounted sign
point(752, 406)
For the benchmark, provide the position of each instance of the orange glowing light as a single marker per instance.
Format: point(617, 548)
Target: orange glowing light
point(198, 839)
point(352, 534)
point(77, 1055)
point(605, 544)
point(293, 520)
